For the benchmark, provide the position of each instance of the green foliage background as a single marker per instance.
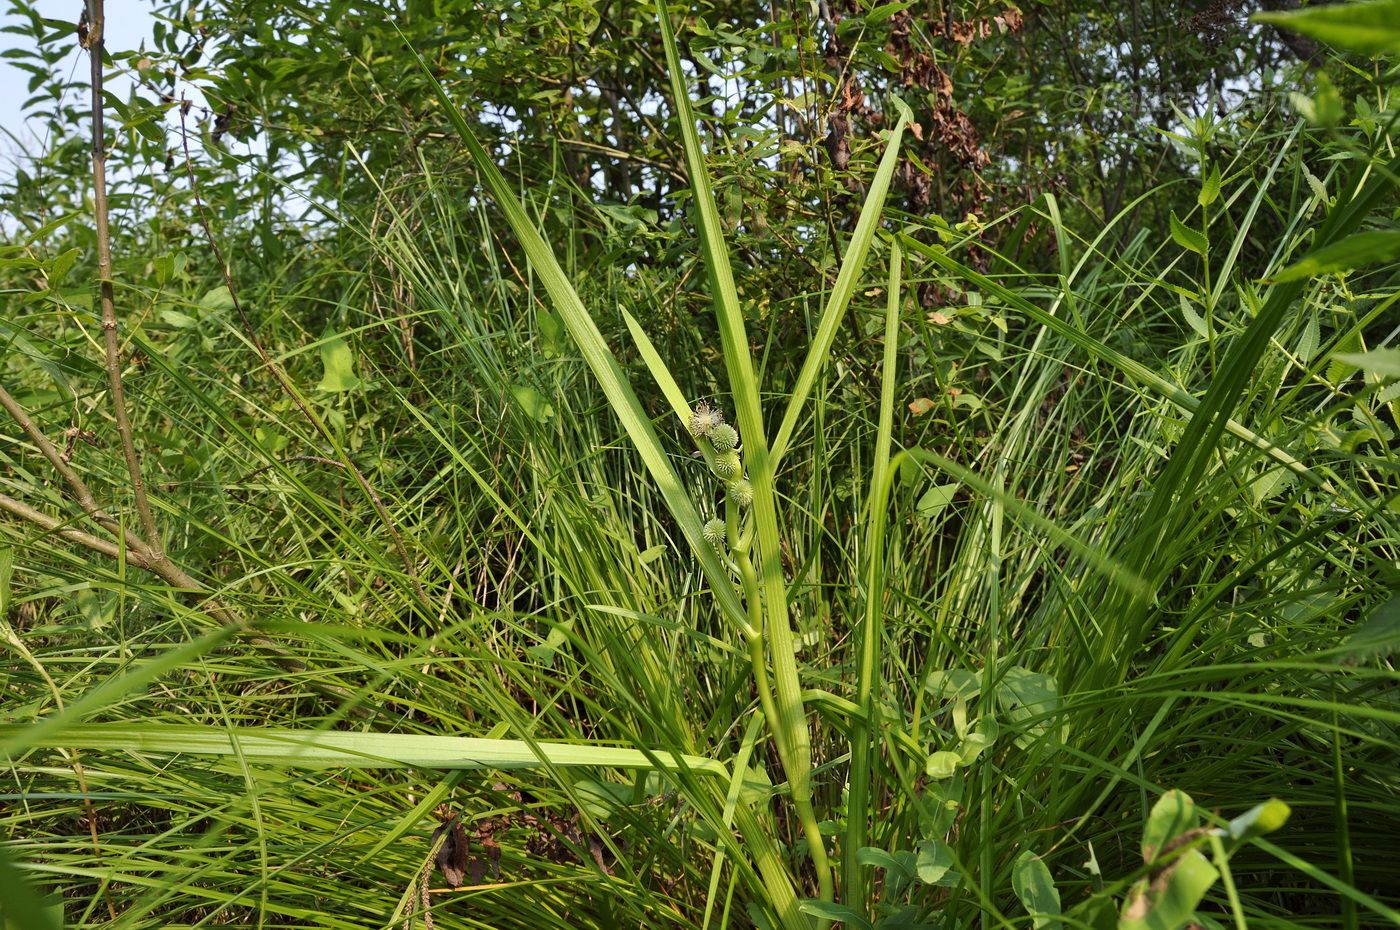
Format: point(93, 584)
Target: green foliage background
point(1090, 357)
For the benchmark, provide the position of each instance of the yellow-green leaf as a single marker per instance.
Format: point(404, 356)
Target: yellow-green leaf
point(1188, 238)
point(1368, 28)
point(337, 364)
point(1368, 248)
point(1210, 187)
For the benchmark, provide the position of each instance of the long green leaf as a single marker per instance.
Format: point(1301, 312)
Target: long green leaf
point(335, 749)
point(868, 638)
point(846, 280)
point(793, 739)
point(586, 335)
point(1369, 28)
point(1367, 248)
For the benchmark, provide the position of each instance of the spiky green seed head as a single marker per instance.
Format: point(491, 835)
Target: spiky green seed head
point(727, 466)
point(741, 492)
point(723, 437)
point(713, 531)
point(704, 419)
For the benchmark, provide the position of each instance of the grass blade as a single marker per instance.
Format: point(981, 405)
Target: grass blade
point(586, 335)
point(336, 749)
point(868, 638)
point(846, 280)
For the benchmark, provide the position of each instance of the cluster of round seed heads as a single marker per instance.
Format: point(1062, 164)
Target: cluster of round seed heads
point(708, 422)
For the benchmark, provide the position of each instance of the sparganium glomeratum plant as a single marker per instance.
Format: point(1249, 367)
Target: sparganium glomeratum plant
point(758, 606)
point(803, 651)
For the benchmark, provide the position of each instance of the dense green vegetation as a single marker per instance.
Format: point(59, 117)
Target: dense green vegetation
point(569, 464)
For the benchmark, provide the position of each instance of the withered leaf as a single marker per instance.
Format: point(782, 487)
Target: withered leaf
point(452, 855)
point(838, 144)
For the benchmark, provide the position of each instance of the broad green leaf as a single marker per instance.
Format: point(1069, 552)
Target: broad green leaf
point(1309, 340)
point(652, 553)
point(1193, 319)
point(1377, 636)
point(1097, 913)
point(546, 651)
point(947, 684)
point(533, 403)
point(1367, 248)
point(944, 804)
point(1172, 815)
point(1379, 363)
point(757, 786)
point(1348, 346)
point(178, 320)
point(217, 298)
point(983, 735)
point(1027, 695)
point(902, 864)
point(1030, 879)
point(1258, 820)
point(885, 10)
point(337, 749)
point(1318, 188)
point(552, 331)
point(1170, 902)
point(1190, 239)
point(887, 61)
point(932, 501)
point(934, 861)
point(337, 364)
point(61, 265)
point(1368, 28)
point(840, 913)
point(942, 764)
point(1210, 187)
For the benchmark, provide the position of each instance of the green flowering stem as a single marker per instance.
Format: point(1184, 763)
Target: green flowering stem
point(753, 636)
point(790, 717)
point(759, 665)
point(732, 528)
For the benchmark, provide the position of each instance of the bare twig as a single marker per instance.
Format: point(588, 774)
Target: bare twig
point(53, 525)
point(76, 484)
point(93, 42)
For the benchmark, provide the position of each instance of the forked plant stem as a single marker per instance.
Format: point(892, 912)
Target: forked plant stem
point(92, 40)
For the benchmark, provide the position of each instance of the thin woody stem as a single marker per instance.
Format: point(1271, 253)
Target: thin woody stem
point(56, 526)
point(81, 493)
point(93, 42)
